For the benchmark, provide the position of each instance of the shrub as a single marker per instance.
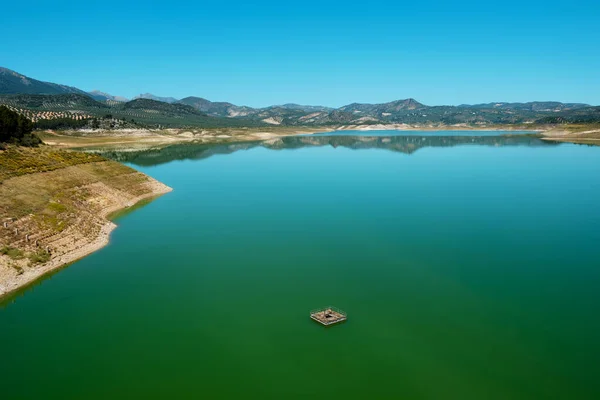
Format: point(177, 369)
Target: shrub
point(39, 257)
point(12, 252)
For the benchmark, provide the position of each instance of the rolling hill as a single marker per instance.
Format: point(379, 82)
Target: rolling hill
point(217, 109)
point(44, 100)
point(101, 96)
point(157, 98)
point(534, 106)
point(12, 82)
point(140, 112)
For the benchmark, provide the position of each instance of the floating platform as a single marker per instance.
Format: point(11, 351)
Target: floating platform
point(328, 316)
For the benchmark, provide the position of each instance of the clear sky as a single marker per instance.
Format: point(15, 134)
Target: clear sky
point(332, 53)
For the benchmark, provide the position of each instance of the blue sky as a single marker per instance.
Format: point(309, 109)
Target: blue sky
point(312, 52)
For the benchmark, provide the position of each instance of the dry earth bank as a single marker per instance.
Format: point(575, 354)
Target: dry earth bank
point(56, 216)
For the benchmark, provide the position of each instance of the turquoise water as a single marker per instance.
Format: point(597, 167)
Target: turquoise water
point(468, 268)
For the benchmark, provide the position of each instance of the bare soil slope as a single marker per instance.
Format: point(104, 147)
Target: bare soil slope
point(54, 217)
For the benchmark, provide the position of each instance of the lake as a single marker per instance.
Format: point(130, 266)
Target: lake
point(468, 265)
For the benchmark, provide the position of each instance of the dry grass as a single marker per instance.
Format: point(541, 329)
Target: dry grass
point(16, 161)
point(62, 208)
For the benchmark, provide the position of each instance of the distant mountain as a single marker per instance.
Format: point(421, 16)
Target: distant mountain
point(101, 96)
point(293, 106)
point(538, 106)
point(165, 108)
point(274, 115)
point(157, 98)
point(52, 102)
point(12, 82)
point(584, 115)
point(139, 112)
point(217, 109)
point(151, 111)
point(35, 98)
point(384, 108)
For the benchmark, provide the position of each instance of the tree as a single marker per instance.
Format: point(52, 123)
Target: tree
point(15, 128)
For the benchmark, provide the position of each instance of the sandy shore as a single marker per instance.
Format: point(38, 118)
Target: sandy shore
point(143, 138)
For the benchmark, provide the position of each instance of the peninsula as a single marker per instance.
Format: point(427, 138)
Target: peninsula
point(55, 207)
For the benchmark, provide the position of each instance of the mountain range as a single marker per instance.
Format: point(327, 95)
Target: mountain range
point(12, 82)
point(33, 96)
point(101, 96)
point(150, 96)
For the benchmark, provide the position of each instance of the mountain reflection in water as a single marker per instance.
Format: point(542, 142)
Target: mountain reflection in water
point(401, 144)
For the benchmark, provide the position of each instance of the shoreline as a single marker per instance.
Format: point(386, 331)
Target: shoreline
point(406, 127)
point(31, 276)
point(147, 139)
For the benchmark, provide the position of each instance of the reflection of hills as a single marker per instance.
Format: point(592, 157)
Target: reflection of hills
point(402, 144)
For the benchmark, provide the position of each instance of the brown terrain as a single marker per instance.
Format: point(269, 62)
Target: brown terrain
point(589, 133)
point(145, 138)
point(55, 207)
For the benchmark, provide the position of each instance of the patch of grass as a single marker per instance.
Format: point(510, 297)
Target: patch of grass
point(57, 207)
point(18, 161)
point(39, 257)
point(12, 252)
point(53, 222)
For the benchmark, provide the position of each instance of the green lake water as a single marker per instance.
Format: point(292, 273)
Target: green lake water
point(469, 267)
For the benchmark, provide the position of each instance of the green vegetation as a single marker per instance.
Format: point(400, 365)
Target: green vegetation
point(139, 113)
point(18, 161)
point(12, 252)
point(61, 123)
point(78, 110)
point(39, 257)
point(16, 129)
point(588, 115)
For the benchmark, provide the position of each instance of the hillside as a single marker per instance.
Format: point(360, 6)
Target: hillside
point(535, 106)
point(150, 96)
point(217, 109)
point(12, 82)
point(16, 129)
point(138, 113)
point(54, 207)
point(306, 108)
point(585, 115)
point(385, 108)
point(71, 107)
point(104, 97)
